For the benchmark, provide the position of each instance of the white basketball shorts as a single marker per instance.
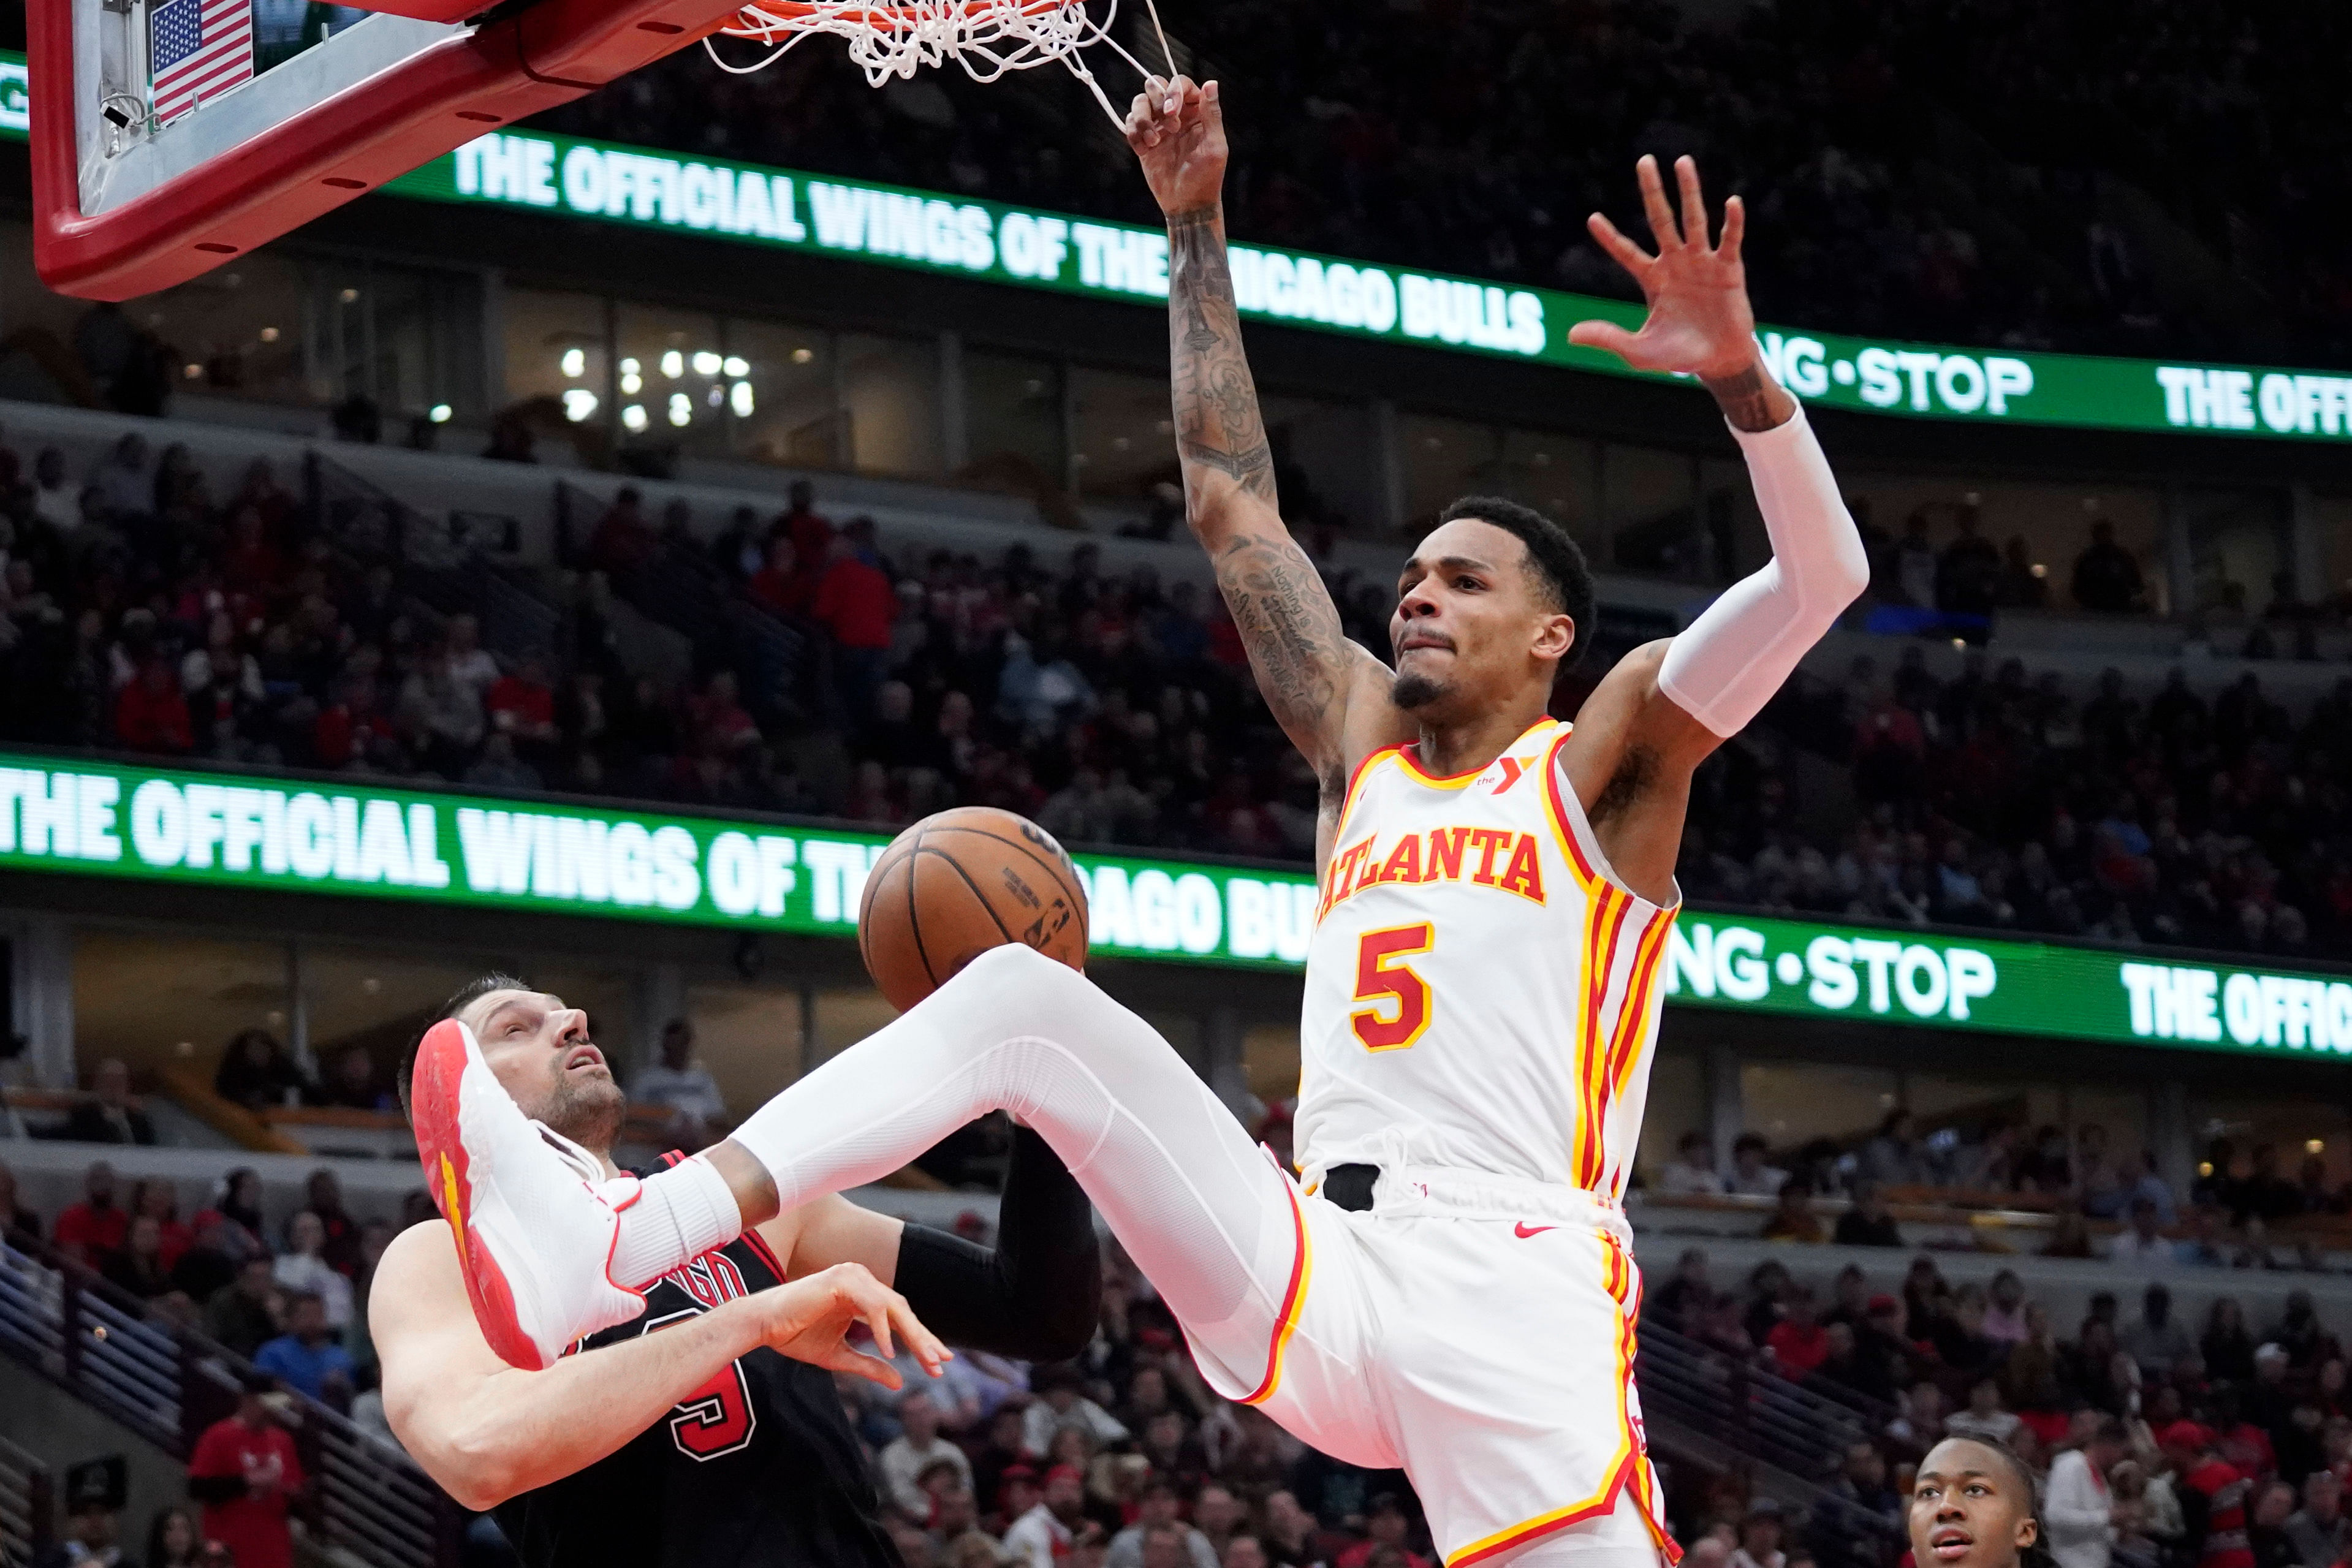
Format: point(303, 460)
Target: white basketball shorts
point(1477, 1331)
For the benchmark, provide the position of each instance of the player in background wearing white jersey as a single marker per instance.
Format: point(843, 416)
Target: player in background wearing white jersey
point(1466, 1310)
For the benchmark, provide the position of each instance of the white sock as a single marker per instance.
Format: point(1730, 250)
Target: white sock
point(679, 1214)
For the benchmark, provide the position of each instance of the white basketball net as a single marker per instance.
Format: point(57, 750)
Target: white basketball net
point(986, 37)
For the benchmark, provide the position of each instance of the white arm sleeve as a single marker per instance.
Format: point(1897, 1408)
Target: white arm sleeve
point(1725, 665)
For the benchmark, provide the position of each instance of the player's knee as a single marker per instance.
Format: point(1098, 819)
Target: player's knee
point(1015, 969)
point(1018, 992)
point(1022, 990)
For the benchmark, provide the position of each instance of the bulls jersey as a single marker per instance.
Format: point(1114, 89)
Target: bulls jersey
point(1481, 993)
point(758, 1467)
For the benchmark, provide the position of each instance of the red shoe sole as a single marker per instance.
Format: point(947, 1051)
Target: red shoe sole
point(433, 1096)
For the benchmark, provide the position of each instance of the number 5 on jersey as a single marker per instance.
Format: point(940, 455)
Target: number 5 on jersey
point(718, 1418)
point(1383, 980)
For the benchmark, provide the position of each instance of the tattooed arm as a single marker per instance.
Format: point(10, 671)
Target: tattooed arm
point(1284, 612)
point(1220, 434)
point(1330, 696)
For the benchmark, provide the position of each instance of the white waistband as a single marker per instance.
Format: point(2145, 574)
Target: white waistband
point(1407, 1190)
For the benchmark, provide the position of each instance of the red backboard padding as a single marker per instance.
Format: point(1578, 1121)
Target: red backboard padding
point(426, 10)
point(341, 148)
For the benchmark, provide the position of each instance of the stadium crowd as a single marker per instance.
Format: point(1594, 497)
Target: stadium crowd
point(2000, 799)
point(2156, 1441)
point(139, 614)
point(2244, 1210)
point(2161, 179)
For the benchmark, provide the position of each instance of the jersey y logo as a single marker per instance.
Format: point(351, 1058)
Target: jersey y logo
point(1512, 769)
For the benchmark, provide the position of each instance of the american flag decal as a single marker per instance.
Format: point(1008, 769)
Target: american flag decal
point(198, 50)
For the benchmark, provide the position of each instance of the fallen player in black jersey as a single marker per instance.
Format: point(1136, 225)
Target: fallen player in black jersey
point(708, 1429)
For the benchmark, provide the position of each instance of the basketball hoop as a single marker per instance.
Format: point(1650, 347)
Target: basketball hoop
point(986, 37)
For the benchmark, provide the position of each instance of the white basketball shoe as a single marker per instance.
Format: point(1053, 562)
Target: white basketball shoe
point(534, 1224)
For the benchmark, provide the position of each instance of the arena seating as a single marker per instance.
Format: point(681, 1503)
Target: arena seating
point(261, 600)
point(2113, 178)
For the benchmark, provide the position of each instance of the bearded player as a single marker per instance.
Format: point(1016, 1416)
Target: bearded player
point(705, 1427)
point(1448, 1286)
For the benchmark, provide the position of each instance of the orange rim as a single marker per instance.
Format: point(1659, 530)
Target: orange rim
point(888, 18)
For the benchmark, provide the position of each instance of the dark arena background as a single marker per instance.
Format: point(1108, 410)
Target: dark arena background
point(580, 556)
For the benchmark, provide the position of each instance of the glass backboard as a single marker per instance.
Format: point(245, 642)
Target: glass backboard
point(169, 135)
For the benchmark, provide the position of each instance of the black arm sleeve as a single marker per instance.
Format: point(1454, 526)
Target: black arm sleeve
point(1037, 1295)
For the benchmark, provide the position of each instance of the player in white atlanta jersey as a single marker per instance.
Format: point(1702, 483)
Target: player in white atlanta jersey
point(1425, 1035)
point(1450, 1287)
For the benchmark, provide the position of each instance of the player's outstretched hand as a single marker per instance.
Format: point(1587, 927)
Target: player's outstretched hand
point(1178, 130)
point(809, 1321)
point(1700, 322)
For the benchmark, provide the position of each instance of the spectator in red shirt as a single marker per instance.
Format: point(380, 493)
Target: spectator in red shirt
point(810, 533)
point(2212, 1496)
point(348, 723)
point(522, 705)
point(855, 599)
point(155, 1200)
point(246, 1472)
point(781, 584)
point(2243, 1443)
point(1799, 1341)
point(150, 714)
point(624, 541)
point(96, 1226)
point(253, 561)
point(855, 602)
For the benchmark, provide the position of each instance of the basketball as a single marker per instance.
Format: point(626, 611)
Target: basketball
point(956, 884)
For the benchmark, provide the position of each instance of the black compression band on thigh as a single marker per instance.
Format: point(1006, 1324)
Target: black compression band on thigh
point(1038, 1294)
